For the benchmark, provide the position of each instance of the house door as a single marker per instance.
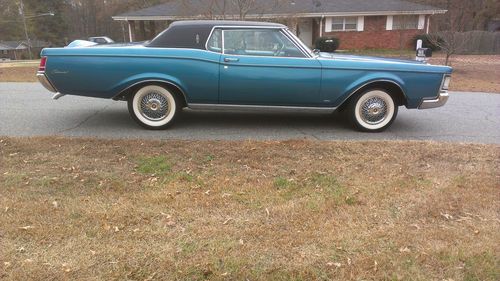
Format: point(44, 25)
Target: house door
point(305, 31)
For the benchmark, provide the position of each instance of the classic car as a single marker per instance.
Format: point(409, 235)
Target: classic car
point(101, 40)
point(236, 65)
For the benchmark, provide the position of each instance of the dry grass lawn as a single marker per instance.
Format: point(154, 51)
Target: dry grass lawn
point(218, 210)
point(19, 71)
point(472, 73)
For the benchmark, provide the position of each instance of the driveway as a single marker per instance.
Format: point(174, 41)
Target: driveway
point(26, 109)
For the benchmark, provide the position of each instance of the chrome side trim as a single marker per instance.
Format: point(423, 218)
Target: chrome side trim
point(435, 102)
point(42, 78)
point(260, 108)
point(151, 80)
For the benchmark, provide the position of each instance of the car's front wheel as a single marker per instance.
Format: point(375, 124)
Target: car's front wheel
point(373, 110)
point(153, 107)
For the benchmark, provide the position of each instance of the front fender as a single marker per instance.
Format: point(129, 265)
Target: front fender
point(367, 78)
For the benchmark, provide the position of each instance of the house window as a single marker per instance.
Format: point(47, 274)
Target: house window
point(344, 23)
point(405, 22)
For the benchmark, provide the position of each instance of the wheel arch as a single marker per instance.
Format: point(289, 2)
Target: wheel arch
point(393, 88)
point(130, 90)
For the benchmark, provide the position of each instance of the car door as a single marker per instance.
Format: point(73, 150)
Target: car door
point(262, 66)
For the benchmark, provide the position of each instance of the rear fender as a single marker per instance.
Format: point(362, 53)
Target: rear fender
point(128, 83)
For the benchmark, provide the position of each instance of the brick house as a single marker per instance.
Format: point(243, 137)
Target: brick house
point(359, 24)
point(18, 50)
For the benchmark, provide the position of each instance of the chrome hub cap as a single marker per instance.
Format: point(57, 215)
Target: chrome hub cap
point(154, 106)
point(374, 110)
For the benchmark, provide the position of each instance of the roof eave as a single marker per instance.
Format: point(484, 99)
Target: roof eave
point(268, 16)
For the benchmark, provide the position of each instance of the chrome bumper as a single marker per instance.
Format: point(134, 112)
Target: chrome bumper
point(45, 82)
point(437, 102)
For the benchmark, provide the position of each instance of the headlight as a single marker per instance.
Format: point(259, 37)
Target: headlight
point(446, 82)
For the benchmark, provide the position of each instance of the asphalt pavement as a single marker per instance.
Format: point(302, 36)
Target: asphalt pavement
point(26, 109)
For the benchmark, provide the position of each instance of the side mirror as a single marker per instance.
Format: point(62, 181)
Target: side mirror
point(316, 51)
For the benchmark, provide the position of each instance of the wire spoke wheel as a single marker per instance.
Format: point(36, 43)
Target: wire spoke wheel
point(374, 111)
point(153, 107)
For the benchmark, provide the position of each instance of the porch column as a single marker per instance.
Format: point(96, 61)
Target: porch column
point(142, 28)
point(131, 30)
point(152, 29)
point(428, 25)
point(293, 24)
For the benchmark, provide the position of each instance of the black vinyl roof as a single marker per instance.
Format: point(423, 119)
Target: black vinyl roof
point(194, 34)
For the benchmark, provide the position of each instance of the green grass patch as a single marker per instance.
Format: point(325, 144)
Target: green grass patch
point(153, 165)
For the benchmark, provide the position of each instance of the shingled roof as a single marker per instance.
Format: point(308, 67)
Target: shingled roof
point(195, 9)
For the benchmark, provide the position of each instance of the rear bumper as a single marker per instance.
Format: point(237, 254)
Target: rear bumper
point(437, 102)
point(45, 82)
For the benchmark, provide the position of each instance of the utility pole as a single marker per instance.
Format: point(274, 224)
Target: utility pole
point(21, 11)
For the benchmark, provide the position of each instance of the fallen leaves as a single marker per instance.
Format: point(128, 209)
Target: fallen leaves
point(332, 264)
point(404, 250)
point(28, 227)
point(227, 221)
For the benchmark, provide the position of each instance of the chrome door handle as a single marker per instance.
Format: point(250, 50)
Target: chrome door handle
point(231, 60)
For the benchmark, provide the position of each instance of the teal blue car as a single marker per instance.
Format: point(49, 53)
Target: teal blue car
point(236, 65)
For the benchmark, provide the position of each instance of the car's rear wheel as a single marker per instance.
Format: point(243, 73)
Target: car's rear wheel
point(153, 107)
point(373, 110)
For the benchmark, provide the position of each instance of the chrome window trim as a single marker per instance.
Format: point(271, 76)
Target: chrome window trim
point(260, 108)
point(232, 26)
point(283, 30)
point(305, 50)
point(208, 40)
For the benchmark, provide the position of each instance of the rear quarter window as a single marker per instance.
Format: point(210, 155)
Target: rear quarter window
point(214, 44)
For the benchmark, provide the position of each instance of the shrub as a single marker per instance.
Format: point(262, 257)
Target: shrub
point(327, 44)
point(426, 43)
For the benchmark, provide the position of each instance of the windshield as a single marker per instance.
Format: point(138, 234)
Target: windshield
point(298, 41)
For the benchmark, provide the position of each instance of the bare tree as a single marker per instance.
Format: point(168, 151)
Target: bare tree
point(450, 42)
point(229, 9)
point(449, 38)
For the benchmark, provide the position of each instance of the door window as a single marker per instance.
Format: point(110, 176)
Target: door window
point(259, 42)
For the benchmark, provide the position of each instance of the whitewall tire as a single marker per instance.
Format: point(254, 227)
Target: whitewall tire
point(373, 110)
point(153, 107)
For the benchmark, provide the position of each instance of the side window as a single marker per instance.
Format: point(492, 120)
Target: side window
point(259, 42)
point(215, 42)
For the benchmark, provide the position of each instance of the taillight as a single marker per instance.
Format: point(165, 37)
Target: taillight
point(43, 62)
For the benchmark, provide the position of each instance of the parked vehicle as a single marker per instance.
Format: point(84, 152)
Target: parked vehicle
point(227, 65)
point(101, 40)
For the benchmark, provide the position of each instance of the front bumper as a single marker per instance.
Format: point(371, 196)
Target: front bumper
point(45, 81)
point(437, 102)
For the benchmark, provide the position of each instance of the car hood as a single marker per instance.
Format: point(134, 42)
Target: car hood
point(352, 61)
point(365, 58)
